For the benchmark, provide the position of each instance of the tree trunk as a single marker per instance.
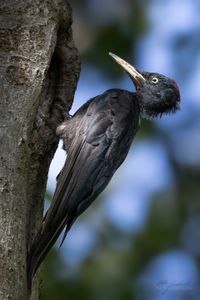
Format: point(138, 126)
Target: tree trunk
point(39, 70)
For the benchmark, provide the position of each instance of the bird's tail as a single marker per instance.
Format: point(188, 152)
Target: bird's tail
point(42, 243)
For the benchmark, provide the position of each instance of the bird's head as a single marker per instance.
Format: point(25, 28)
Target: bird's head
point(157, 94)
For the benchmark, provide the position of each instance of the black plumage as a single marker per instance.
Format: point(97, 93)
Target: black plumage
point(97, 139)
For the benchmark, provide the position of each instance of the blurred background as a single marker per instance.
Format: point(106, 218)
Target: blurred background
point(141, 239)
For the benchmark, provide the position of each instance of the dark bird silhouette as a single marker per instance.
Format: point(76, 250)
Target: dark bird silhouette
point(97, 139)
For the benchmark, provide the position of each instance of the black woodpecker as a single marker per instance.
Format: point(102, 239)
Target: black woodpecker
point(97, 139)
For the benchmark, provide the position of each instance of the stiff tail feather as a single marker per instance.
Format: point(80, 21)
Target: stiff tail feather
point(42, 243)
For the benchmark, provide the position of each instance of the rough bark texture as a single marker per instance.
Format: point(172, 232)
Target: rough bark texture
point(39, 69)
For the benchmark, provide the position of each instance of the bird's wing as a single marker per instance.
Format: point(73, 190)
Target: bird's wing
point(92, 159)
point(85, 160)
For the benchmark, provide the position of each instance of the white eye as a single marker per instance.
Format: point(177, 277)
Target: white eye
point(154, 80)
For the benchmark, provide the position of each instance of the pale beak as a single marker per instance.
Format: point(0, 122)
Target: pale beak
point(137, 77)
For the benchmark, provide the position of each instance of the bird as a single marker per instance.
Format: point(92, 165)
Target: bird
point(97, 139)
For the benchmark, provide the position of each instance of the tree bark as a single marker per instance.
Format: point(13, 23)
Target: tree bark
point(39, 70)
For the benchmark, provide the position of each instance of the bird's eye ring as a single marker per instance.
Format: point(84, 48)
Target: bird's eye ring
point(154, 80)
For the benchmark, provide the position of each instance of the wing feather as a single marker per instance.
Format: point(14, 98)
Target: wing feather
point(93, 157)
